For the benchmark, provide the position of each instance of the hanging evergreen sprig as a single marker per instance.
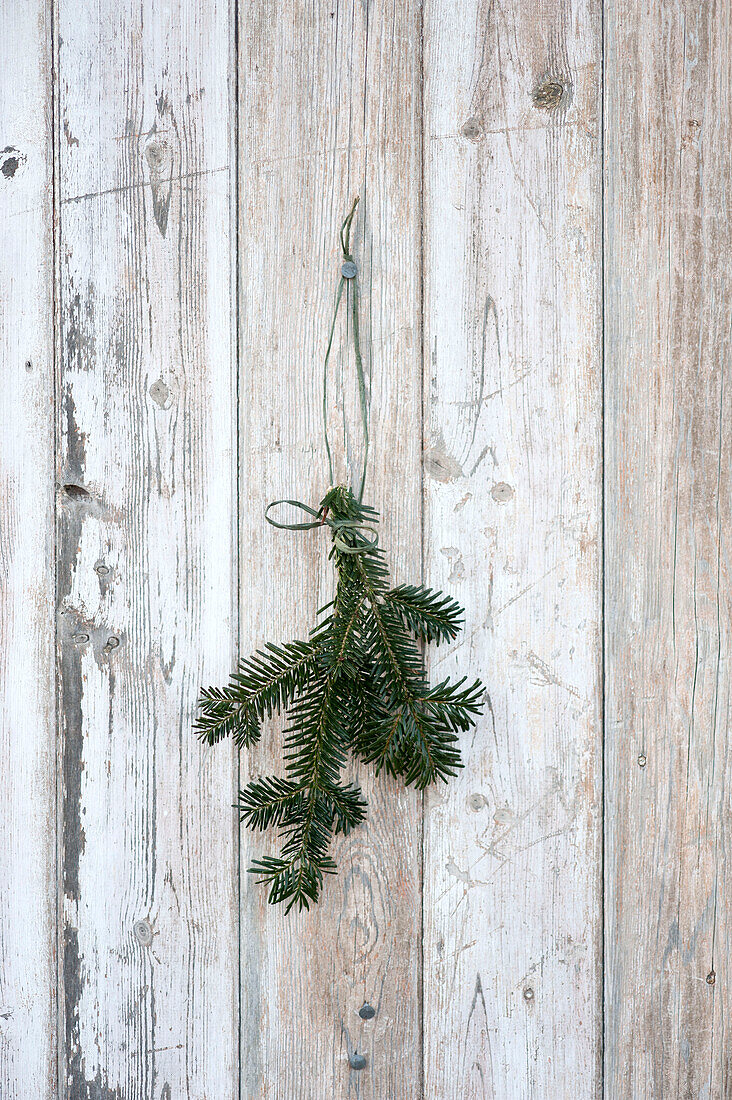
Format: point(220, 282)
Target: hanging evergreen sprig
point(356, 685)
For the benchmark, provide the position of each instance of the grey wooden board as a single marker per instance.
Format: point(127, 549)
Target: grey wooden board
point(668, 460)
point(512, 889)
point(146, 553)
point(329, 109)
point(27, 697)
point(200, 158)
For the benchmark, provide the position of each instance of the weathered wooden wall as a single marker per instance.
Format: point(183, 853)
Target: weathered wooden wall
point(146, 577)
point(28, 986)
point(668, 430)
point(512, 901)
point(545, 252)
point(329, 107)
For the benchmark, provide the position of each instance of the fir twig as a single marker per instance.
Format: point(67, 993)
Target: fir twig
point(357, 684)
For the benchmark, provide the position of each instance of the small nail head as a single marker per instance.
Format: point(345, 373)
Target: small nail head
point(79, 638)
point(642, 760)
point(367, 1012)
point(349, 270)
point(357, 1061)
point(528, 994)
point(711, 978)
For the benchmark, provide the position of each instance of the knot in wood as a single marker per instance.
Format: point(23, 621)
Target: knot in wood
point(143, 932)
point(472, 129)
point(548, 95)
point(155, 152)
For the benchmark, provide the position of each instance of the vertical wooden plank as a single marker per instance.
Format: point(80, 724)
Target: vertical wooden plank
point(146, 557)
point(512, 496)
point(27, 701)
point(329, 108)
point(669, 607)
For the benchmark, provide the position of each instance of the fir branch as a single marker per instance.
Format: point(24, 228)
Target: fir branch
point(413, 738)
point(357, 684)
point(454, 705)
point(222, 712)
point(264, 683)
point(411, 744)
point(348, 805)
point(297, 880)
point(430, 615)
point(311, 804)
point(269, 801)
point(272, 676)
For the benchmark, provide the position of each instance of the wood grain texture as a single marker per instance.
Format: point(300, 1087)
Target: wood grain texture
point(27, 701)
point(329, 108)
point(146, 548)
point(669, 607)
point(512, 906)
point(471, 130)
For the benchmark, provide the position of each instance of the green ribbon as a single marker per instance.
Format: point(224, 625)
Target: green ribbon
point(339, 527)
point(369, 535)
point(345, 236)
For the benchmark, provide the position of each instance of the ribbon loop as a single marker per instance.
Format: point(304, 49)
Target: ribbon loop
point(318, 522)
point(339, 527)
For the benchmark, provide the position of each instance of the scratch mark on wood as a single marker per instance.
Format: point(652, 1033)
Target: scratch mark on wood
point(181, 177)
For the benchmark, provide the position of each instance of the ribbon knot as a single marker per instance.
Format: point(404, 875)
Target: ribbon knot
point(367, 536)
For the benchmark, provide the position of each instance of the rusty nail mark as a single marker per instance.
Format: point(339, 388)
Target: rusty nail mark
point(111, 643)
point(711, 978)
point(502, 492)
